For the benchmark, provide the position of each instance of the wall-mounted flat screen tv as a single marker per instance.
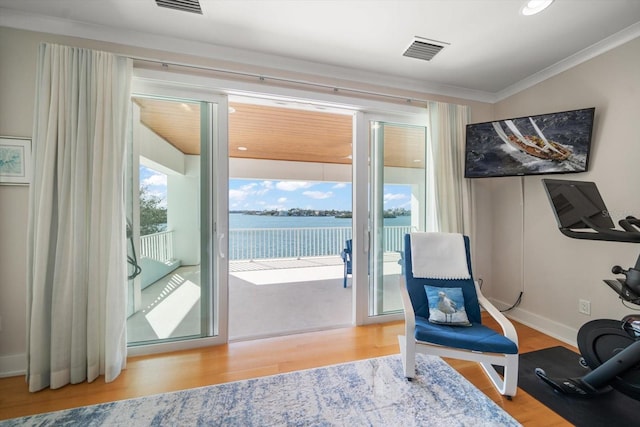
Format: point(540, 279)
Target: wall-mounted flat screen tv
point(534, 145)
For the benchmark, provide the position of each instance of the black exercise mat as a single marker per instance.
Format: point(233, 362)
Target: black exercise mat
point(609, 409)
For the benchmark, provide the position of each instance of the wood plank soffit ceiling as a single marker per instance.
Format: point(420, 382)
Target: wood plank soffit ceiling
point(279, 133)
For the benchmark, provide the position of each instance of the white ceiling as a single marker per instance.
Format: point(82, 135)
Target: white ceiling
point(492, 50)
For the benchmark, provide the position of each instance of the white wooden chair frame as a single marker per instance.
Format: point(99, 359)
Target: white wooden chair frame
point(409, 346)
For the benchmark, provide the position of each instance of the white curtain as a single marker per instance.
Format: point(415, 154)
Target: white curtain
point(77, 272)
point(453, 195)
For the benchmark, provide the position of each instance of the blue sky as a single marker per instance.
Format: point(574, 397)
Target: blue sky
point(284, 195)
point(251, 194)
point(155, 183)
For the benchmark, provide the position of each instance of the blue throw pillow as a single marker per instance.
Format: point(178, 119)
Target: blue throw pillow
point(446, 306)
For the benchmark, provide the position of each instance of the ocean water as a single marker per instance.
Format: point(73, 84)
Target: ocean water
point(238, 220)
point(262, 237)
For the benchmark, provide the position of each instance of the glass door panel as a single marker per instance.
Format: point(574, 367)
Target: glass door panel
point(170, 216)
point(397, 180)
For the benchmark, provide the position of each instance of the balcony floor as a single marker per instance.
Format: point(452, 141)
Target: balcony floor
point(266, 298)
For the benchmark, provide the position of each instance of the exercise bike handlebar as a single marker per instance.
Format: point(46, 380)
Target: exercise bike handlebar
point(629, 234)
point(630, 223)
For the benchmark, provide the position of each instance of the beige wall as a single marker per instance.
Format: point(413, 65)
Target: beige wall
point(17, 74)
point(18, 51)
point(517, 249)
point(519, 246)
point(557, 270)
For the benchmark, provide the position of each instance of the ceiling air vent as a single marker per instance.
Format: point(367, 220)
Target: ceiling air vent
point(424, 49)
point(192, 6)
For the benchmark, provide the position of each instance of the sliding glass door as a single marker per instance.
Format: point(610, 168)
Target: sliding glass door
point(177, 239)
point(397, 205)
point(187, 220)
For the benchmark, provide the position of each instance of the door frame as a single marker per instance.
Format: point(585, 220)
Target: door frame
point(205, 88)
point(362, 145)
point(213, 214)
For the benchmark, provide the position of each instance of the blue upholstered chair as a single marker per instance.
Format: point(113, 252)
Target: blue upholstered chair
point(346, 258)
point(433, 325)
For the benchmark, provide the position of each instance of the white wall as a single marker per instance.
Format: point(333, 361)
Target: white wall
point(277, 169)
point(183, 211)
point(158, 154)
point(557, 270)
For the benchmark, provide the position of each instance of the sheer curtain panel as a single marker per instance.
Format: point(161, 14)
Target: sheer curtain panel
point(447, 125)
point(77, 273)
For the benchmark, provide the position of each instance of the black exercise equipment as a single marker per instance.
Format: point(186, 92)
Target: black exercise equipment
point(611, 348)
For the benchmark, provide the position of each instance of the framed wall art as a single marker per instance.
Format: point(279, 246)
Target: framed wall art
point(15, 160)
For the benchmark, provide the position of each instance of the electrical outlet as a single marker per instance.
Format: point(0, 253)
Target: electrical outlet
point(584, 306)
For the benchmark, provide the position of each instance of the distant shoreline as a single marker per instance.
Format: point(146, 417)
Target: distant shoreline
point(390, 213)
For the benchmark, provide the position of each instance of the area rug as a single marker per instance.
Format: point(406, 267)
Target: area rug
point(610, 409)
point(370, 392)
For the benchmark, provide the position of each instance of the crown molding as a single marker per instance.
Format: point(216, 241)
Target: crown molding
point(46, 24)
point(630, 33)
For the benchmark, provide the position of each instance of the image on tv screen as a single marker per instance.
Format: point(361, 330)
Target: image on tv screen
point(541, 144)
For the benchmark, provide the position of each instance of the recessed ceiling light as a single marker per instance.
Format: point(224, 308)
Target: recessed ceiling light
point(535, 6)
point(242, 148)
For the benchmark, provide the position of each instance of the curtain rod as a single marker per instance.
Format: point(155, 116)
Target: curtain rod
point(263, 78)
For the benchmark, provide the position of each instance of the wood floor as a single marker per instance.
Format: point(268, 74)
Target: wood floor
point(154, 374)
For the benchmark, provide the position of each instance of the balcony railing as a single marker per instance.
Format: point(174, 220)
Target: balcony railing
point(157, 246)
point(265, 243)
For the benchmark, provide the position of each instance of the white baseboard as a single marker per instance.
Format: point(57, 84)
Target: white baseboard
point(547, 326)
point(13, 365)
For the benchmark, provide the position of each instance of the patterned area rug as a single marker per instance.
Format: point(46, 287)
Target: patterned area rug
point(370, 392)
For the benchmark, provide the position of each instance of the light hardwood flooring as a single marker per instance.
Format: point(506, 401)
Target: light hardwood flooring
point(154, 374)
